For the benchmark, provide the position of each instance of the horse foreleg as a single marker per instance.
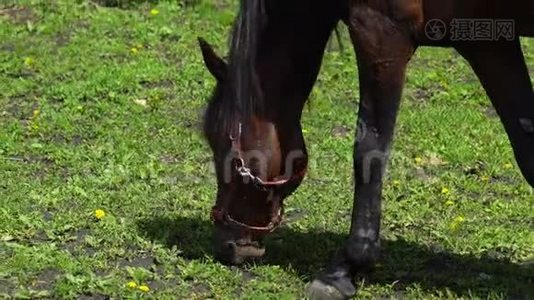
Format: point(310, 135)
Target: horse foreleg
point(383, 51)
point(502, 71)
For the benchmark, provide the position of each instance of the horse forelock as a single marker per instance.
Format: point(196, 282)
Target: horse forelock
point(243, 97)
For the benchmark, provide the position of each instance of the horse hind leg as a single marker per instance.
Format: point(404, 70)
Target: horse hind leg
point(503, 72)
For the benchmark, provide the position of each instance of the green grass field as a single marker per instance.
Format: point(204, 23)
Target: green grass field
point(99, 116)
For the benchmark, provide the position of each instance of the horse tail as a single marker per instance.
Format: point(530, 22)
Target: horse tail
point(248, 29)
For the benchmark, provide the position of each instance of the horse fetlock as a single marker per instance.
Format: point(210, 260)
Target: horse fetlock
point(362, 252)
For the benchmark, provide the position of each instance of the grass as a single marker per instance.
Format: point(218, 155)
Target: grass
point(99, 110)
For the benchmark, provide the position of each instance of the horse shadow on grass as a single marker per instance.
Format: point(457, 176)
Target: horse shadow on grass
point(403, 263)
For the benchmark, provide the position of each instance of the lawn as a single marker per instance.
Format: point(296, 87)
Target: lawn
point(106, 181)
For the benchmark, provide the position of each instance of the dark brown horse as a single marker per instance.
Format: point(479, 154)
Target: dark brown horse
point(253, 120)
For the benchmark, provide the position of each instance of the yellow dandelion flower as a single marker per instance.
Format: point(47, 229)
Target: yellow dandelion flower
point(144, 288)
point(485, 178)
point(131, 284)
point(445, 191)
point(36, 113)
point(449, 203)
point(154, 12)
point(134, 50)
point(455, 224)
point(99, 214)
point(508, 166)
point(418, 160)
point(28, 61)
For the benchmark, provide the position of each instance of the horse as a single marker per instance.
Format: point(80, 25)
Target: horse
point(252, 122)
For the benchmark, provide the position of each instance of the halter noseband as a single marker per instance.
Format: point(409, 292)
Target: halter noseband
point(220, 212)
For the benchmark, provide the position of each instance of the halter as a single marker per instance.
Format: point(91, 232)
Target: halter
point(220, 212)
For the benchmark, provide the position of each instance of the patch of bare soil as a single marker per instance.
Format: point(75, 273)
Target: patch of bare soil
point(341, 131)
point(19, 14)
point(45, 279)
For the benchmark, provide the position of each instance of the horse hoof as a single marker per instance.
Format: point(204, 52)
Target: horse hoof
point(319, 290)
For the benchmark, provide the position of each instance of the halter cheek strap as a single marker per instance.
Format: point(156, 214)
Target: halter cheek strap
point(244, 171)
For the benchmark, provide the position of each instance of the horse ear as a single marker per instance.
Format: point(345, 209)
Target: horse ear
point(214, 63)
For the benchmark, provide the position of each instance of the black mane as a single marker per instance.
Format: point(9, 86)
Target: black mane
point(241, 96)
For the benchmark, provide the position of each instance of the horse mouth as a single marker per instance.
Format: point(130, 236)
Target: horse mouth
point(249, 250)
point(240, 252)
